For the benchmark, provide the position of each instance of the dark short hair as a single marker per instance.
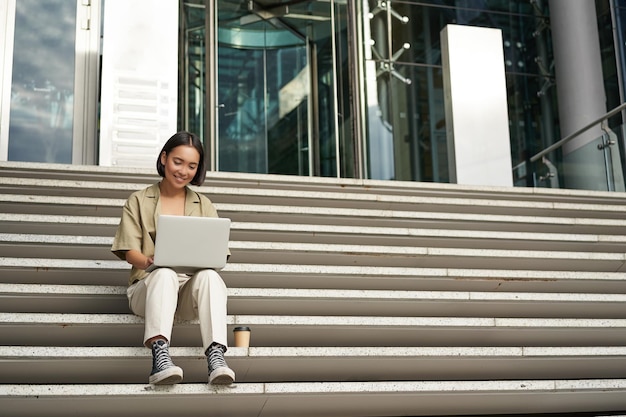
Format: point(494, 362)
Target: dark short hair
point(184, 139)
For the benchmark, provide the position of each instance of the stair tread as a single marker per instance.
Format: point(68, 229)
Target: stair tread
point(358, 204)
point(373, 255)
point(125, 174)
point(302, 275)
point(330, 294)
point(282, 330)
point(338, 248)
point(391, 232)
point(342, 321)
point(40, 365)
point(274, 301)
point(314, 399)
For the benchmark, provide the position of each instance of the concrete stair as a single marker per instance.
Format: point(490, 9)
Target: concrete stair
point(365, 298)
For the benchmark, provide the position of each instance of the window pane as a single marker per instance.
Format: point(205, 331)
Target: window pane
point(42, 90)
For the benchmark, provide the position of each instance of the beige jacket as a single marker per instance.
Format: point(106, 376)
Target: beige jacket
point(137, 228)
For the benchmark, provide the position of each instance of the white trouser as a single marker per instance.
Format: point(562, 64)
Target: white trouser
point(163, 295)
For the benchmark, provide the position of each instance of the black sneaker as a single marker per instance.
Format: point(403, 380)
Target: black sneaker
point(219, 372)
point(163, 369)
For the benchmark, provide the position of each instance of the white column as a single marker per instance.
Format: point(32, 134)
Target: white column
point(139, 80)
point(477, 122)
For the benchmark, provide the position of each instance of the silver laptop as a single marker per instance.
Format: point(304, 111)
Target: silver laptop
point(187, 244)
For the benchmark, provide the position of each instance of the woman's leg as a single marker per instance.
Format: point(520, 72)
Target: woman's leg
point(204, 296)
point(155, 298)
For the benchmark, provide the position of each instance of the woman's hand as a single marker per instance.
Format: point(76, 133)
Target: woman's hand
point(149, 261)
point(138, 259)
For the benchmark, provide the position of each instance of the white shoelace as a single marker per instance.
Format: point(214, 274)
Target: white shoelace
point(216, 358)
point(162, 356)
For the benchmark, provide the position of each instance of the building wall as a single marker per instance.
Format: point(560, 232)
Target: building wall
point(339, 89)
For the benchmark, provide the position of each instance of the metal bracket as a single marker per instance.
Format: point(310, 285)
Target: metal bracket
point(386, 65)
point(606, 136)
point(382, 5)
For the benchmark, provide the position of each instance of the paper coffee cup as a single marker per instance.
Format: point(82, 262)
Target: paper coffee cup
point(242, 336)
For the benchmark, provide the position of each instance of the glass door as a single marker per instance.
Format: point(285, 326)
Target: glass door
point(282, 89)
point(264, 97)
point(44, 46)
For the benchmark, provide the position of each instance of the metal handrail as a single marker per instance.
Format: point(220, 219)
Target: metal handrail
point(578, 132)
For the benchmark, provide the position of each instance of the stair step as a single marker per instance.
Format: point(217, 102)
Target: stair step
point(38, 170)
point(25, 298)
point(335, 234)
point(108, 272)
point(337, 198)
point(381, 256)
point(130, 365)
point(126, 329)
point(78, 210)
point(312, 399)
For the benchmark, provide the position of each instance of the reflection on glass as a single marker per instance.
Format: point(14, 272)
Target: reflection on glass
point(283, 85)
point(42, 90)
point(263, 116)
point(283, 88)
point(596, 166)
point(405, 107)
point(264, 78)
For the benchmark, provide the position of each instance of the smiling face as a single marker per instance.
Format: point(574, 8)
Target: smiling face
point(180, 165)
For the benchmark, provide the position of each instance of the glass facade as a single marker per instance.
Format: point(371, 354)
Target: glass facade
point(406, 55)
point(333, 88)
point(287, 74)
point(282, 86)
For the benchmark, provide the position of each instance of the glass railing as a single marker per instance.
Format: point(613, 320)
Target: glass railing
point(591, 158)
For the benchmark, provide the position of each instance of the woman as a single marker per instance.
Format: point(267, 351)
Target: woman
point(161, 295)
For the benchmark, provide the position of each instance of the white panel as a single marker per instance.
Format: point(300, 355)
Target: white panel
point(139, 80)
point(477, 123)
